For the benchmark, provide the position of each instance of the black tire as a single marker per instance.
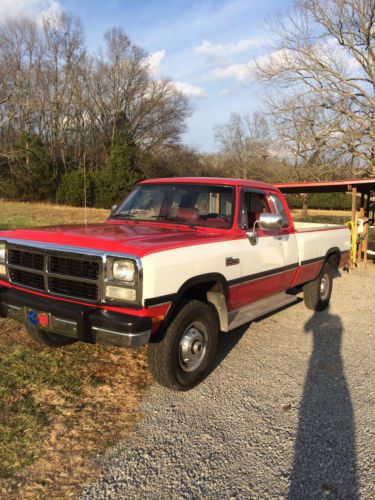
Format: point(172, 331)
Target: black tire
point(184, 357)
point(317, 293)
point(47, 338)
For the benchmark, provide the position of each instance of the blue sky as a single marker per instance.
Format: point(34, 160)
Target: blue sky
point(205, 46)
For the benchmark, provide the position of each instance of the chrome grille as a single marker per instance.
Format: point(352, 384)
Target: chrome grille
point(73, 288)
point(58, 273)
point(26, 278)
point(24, 258)
point(73, 267)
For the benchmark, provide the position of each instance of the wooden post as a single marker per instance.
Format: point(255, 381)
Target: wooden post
point(364, 243)
point(360, 247)
point(354, 208)
point(368, 198)
point(305, 206)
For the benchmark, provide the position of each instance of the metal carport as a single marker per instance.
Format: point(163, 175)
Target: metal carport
point(364, 187)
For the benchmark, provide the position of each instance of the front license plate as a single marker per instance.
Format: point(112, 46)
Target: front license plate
point(37, 318)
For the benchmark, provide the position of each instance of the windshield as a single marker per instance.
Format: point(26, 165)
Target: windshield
point(190, 204)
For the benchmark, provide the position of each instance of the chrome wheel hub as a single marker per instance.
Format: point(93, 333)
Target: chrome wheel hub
point(324, 287)
point(193, 346)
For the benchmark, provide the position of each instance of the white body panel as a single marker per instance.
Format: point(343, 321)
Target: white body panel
point(166, 271)
point(267, 254)
point(313, 244)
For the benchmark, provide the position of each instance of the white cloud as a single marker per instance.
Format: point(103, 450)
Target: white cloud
point(50, 13)
point(239, 72)
point(223, 92)
point(285, 59)
point(154, 60)
point(219, 49)
point(190, 90)
point(245, 71)
point(33, 8)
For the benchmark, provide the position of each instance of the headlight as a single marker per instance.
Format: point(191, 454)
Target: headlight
point(123, 270)
point(2, 251)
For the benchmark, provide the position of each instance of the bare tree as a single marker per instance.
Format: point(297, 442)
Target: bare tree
point(72, 108)
point(244, 144)
point(64, 56)
point(126, 103)
point(21, 53)
point(309, 139)
point(326, 49)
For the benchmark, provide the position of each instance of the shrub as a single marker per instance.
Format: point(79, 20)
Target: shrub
point(71, 189)
point(334, 201)
point(30, 174)
point(118, 177)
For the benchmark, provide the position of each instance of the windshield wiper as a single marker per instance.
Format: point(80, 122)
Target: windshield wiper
point(179, 220)
point(122, 216)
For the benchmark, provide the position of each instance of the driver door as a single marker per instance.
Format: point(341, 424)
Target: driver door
point(262, 263)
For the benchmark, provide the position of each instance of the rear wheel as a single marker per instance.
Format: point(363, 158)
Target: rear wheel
point(48, 338)
point(185, 355)
point(317, 293)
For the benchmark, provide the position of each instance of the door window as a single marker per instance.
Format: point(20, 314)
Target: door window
point(252, 205)
point(280, 209)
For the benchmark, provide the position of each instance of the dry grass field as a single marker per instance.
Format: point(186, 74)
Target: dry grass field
point(59, 408)
point(327, 216)
point(16, 214)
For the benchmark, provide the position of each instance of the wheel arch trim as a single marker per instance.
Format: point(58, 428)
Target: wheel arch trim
point(218, 299)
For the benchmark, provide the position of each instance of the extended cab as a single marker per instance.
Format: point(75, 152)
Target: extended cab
point(178, 261)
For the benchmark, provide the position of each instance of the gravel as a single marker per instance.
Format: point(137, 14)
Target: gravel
point(288, 412)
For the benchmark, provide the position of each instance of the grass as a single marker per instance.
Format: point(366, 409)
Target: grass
point(15, 214)
point(323, 216)
point(59, 408)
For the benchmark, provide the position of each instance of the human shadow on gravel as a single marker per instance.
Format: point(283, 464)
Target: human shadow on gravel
point(324, 458)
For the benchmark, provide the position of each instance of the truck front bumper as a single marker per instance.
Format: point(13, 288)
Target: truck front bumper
point(85, 323)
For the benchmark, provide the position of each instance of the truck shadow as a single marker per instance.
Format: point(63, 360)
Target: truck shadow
point(324, 451)
point(228, 341)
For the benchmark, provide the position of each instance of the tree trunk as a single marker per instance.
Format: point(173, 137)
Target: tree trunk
point(305, 206)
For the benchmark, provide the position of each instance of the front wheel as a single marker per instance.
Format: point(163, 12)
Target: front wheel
point(317, 293)
point(185, 355)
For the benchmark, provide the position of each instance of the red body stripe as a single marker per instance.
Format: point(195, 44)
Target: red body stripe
point(307, 273)
point(245, 293)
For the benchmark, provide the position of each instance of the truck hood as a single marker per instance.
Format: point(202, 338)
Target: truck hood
point(132, 238)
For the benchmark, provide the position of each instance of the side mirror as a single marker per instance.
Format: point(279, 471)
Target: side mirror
point(113, 208)
point(270, 222)
point(252, 236)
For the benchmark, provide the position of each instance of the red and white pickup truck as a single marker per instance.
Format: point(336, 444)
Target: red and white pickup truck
point(178, 261)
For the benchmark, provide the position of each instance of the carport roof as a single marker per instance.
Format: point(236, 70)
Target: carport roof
point(362, 185)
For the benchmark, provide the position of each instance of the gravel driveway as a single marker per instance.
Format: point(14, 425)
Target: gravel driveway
point(288, 412)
